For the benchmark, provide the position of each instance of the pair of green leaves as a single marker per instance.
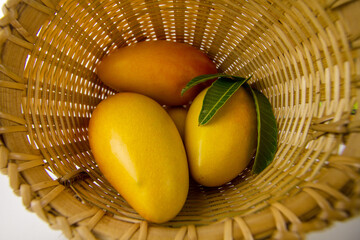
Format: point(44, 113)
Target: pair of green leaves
point(216, 96)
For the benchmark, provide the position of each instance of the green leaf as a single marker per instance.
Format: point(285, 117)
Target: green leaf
point(206, 77)
point(267, 132)
point(217, 95)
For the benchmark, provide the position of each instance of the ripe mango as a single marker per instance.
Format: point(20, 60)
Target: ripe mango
point(178, 115)
point(157, 69)
point(140, 152)
point(221, 149)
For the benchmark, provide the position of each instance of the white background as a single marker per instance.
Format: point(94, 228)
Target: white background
point(17, 223)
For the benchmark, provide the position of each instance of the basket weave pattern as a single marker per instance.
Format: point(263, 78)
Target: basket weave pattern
point(304, 56)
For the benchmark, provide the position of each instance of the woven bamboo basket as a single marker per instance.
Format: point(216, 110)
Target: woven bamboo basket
point(304, 56)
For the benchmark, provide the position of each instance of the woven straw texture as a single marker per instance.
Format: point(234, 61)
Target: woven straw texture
point(304, 56)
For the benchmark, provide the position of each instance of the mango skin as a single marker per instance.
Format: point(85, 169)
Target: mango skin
point(140, 152)
point(157, 69)
point(221, 149)
point(178, 115)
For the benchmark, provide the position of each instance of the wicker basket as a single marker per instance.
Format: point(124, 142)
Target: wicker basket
point(304, 56)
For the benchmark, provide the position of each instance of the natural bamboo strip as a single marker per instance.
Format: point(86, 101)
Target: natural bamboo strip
point(12, 118)
point(4, 155)
point(49, 4)
point(286, 212)
point(12, 3)
point(130, 231)
point(279, 221)
point(26, 195)
point(13, 176)
point(11, 15)
point(329, 190)
point(29, 164)
point(105, 25)
point(181, 233)
point(346, 160)
point(41, 7)
point(21, 42)
point(85, 233)
point(64, 226)
point(10, 74)
point(191, 232)
point(322, 162)
point(95, 219)
point(45, 200)
point(81, 216)
point(12, 85)
point(37, 208)
point(327, 210)
point(228, 229)
point(42, 185)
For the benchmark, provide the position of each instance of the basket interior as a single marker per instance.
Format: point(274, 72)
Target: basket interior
point(296, 52)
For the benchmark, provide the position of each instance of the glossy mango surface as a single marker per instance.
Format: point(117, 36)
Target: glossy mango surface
point(140, 152)
point(219, 150)
point(157, 69)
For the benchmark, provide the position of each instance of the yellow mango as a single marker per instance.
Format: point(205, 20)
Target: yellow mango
point(157, 69)
point(178, 115)
point(140, 152)
point(221, 149)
